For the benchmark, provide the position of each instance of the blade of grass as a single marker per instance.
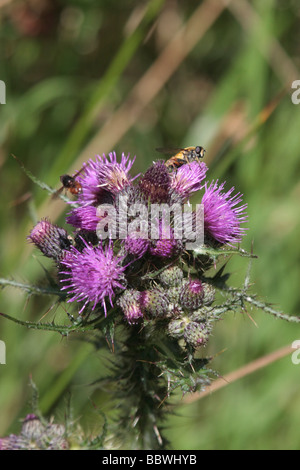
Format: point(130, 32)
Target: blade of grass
point(258, 122)
point(48, 400)
point(102, 90)
point(152, 82)
point(269, 47)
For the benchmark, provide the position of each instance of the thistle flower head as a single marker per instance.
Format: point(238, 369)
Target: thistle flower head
point(174, 312)
point(137, 246)
point(222, 215)
point(83, 217)
point(155, 184)
point(104, 177)
point(92, 275)
point(113, 176)
point(166, 246)
point(50, 239)
point(187, 179)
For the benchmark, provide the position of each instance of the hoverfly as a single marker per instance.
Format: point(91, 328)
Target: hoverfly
point(182, 155)
point(69, 183)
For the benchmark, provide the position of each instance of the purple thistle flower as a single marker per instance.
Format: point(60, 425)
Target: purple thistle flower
point(50, 239)
point(83, 217)
point(166, 246)
point(188, 178)
point(104, 176)
point(222, 219)
point(92, 275)
point(155, 183)
point(136, 246)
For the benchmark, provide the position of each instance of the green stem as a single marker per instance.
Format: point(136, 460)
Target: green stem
point(240, 297)
point(268, 309)
point(142, 392)
point(31, 289)
point(215, 252)
point(64, 330)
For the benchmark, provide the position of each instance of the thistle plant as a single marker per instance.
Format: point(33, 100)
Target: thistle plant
point(36, 435)
point(144, 268)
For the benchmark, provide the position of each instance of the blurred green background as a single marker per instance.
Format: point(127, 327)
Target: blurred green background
point(84, 77)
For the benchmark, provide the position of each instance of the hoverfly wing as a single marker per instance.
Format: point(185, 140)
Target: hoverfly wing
point(169, 150)
point(57, 193)
point(79, 171)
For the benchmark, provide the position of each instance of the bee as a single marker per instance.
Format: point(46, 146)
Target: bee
point(182, 155)
point(69, 183)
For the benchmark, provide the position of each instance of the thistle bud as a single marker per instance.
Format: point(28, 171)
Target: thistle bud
point(171, 277)
point(176, 327)
point(154, 302)
point(202, 314)
point(174, 295)
point(51, 240)
point(32, 427)
point(35, 435)
point(209, 294)
point(129, 303)
point(196, 334)
point(174, 308)
point(192, 293)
